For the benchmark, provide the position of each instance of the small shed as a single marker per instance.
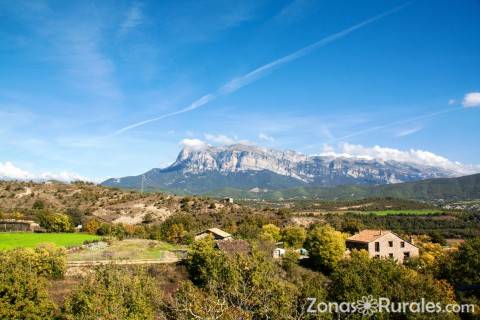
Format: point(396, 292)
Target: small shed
point(18, 225)
point(228, 200)
point(278, 253)
point(217, 234)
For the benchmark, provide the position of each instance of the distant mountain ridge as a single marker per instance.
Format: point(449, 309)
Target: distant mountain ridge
point(447, 189)
point(245, 167)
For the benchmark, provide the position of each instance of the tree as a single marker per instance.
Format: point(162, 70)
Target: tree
point(270, 232)
point(91, 226)
point(248, 282)
point(294, 236)
point(431, 255)
point(176, 233)
point(326, 247)
point(360, 276)
point(23, 293)
point(204, 263)
point(76, 216)
point(46, 260)
point(148, 218)
point(111, 293)
point(56, 222)
point(105, 229)
point(38, 205)
point(194, 303)
point(462, 269)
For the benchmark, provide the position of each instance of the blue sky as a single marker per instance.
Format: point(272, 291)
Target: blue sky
point(77, 77)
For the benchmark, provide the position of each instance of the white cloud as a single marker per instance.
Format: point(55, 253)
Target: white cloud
point(265, 137)
point(8, 171)
point(420, 157)
point(193, 144)
point(471, 100)
point(219, 139)
point(224, 140)
point(133, 18)
point(452, 101)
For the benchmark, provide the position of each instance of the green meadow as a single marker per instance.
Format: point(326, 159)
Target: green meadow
point(409, 212)
point(11, 240)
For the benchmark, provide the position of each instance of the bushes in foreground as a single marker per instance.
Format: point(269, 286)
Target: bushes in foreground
point(23, 281)
point(111, 293)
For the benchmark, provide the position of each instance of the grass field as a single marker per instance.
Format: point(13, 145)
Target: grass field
point(10, 240)
point(129, 249)
point(410, 212)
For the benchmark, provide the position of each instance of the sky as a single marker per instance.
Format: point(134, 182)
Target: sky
point(99, 89)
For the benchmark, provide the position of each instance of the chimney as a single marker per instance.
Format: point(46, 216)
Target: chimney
point(411, 239)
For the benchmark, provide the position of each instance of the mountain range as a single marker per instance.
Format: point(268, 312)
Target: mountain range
point(257, 170)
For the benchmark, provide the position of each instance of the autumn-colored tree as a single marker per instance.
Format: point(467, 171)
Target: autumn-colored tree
point(56, 222)
point(360, 276)
point(270, 232)
point(113, 294)
point(196, 303)
point(23, 274)
point(431, 256)
point(294, 236)
point(326, 246)
point(92, 225)
point(176, 233)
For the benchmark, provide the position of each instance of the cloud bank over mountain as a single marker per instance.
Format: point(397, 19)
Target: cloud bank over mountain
point(421, 157)
point(8, 171)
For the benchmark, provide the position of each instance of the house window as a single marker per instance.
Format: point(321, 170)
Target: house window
point(390, 244)
point(377, 246)
point(377, 256)
point(406, 255)
point(402, 244)
point(390, 255)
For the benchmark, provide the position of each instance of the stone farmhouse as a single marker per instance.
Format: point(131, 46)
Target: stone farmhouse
point(383, 243)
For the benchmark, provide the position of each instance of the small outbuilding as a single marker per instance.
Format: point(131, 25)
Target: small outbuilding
point(18, 225)
point(217, 234)
point(278, 253)
point(228, 200)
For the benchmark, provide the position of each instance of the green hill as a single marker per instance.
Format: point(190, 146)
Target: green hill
point(451, 189)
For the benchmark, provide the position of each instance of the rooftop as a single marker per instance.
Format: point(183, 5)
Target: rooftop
point(220, 232)
point(368, 235)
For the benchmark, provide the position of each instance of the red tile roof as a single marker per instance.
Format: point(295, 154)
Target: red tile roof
point(368, 235)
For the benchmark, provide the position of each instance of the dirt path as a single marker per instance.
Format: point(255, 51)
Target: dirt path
point(168, 257)
point(28, 191)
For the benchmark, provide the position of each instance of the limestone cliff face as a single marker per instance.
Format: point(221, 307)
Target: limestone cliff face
point(251, 167)
point(319, 170)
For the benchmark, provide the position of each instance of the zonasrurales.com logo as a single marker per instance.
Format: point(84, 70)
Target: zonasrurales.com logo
point(369, 305)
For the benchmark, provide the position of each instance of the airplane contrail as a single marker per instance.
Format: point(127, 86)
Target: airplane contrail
point(394, 123)
point(238, 83)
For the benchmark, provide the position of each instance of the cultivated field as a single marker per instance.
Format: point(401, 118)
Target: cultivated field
point(410, 212)
point(129, 249)
point(10, 240)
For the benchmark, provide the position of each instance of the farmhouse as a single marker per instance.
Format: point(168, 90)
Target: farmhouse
point(17, 225)
point(383, 243)
point(216, 233)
